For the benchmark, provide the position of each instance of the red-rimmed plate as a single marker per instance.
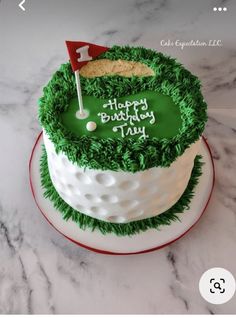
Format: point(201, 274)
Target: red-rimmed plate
point(143, 242)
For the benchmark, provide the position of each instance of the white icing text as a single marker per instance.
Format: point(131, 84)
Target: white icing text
point(129, 113)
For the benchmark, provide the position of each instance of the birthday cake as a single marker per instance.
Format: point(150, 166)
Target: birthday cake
point(131, 157)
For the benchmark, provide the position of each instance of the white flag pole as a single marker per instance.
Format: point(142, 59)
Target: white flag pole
point(81, 114)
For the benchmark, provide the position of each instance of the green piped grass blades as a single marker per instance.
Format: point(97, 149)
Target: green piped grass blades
point(170, 78)
point(86, 222)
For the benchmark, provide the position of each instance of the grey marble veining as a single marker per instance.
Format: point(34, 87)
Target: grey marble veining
point(40, 271)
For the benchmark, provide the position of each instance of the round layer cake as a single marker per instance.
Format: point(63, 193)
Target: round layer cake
point(132, 156)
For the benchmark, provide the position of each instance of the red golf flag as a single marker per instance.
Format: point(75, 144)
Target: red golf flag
point(82, 52)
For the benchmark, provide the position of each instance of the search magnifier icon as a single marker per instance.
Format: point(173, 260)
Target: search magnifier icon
point(217, 285)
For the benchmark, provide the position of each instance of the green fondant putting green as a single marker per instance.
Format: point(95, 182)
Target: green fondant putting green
point(167, 116)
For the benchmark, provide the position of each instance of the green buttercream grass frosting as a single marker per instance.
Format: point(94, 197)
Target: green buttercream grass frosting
point(127, 154)
point(87, 222)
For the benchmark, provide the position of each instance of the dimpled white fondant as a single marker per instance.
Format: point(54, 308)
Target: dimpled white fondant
point(118, 196)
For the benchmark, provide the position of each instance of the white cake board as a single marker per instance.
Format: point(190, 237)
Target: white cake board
point(139, 243)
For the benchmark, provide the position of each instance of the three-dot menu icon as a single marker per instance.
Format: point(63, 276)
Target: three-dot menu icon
point(220, 9)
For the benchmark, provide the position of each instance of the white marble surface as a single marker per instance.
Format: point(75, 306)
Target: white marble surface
point(41, 272)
